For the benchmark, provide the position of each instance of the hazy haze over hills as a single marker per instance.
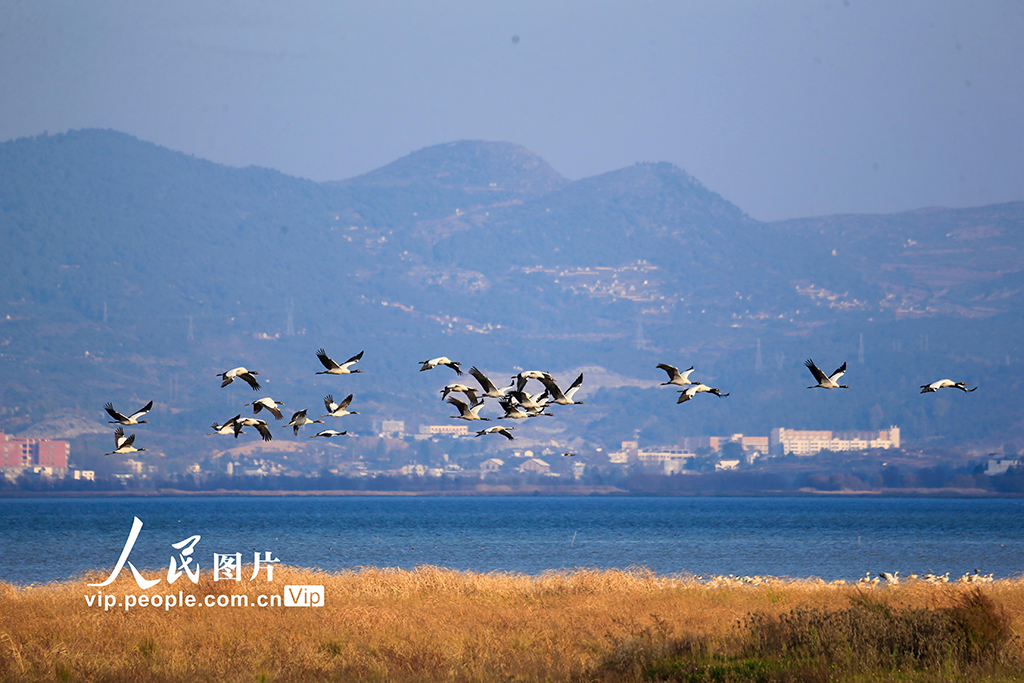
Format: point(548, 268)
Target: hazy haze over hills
point(167, 269)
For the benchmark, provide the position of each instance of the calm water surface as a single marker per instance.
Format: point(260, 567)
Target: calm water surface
point(47, 538)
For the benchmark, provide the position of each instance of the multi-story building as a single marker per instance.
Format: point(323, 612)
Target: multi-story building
point(668, 459)
point(33, 452)
point(394, 428)
point(784, 441)
point(445, 430)
point(750, 444)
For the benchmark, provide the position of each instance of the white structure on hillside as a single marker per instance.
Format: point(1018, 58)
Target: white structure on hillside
point(444, 430)
point(784, 441)
point(491, 466)
point(997, 466)
point(391, 428)
point(535, 466)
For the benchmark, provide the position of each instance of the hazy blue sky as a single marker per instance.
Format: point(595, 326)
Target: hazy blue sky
point(785, 108)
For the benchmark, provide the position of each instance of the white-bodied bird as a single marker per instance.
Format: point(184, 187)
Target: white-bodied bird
point(123, 444)
point(328, 433)
point(558, 396)
point(699, 388)
point(272, 406)
point(298, 419)
point(465, 412)
point(830, 382)
point(261, 426)
point(229, 427)
point(676, 377)
point(504, 431)
point(132, 419)
point(943, 384)
point(469, 391)
point(490, 391)
point(242, 374)
point(442, 360)
point(338, 409)
point(333, 368)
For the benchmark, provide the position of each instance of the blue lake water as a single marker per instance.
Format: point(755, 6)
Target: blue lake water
point(43, 539)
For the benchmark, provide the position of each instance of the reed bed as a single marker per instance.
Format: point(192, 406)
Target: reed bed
point(435, 624)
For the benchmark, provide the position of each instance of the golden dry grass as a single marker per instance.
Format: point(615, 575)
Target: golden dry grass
point(430, 624)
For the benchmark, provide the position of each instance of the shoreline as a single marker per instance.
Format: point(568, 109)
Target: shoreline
point(484, 490)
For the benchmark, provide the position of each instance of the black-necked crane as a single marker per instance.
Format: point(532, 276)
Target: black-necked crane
point(242, 374)
point(512, 411)
point(489, 389)
point(504, 431)
point(528, 401)
point(558, 396)
point(132, 419)
point(526, 375)
point(338, 409)
point(298, 419)
point(261, 426)
point(230, 427)
point(944, 384)
point(465, 411)
point(699, 388)
point(534, 405)
point(830, 382)
point(328, 433)
point(272, 406)
point(469, 391)
point(333, 368)
point(680, 379)
point(442, 360)
point(123, 444)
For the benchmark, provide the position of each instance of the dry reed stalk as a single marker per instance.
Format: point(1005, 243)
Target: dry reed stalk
point(429, 624)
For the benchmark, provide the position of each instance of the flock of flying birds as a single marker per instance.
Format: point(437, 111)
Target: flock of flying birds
point(514, 399)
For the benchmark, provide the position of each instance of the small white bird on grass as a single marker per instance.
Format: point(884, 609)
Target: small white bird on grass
point(132, 419)
point(242, 374)
point(945, 384)
point(890, 578)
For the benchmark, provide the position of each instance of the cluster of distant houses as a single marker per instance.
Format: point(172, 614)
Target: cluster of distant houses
point(35, 457)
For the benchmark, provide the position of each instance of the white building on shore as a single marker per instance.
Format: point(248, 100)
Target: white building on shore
point(784, 441)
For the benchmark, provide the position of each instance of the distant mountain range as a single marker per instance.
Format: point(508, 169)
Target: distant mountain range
point(129, 272)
